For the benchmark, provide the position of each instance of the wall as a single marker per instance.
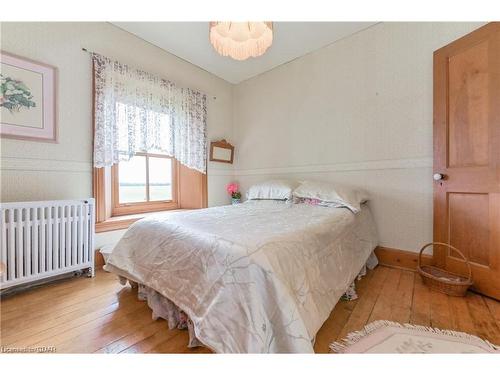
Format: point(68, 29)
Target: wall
point(40, 171)
point(357, 112)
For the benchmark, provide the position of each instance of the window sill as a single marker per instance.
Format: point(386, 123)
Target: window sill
point(124, 221)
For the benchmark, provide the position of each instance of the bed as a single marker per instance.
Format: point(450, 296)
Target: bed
point(258, 277)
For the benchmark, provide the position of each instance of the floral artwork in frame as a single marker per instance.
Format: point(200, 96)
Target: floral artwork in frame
point(27, 99)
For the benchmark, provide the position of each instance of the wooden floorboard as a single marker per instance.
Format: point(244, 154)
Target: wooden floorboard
point(421, 303)
point(460, 315)
point(401, 308)
point(486, 325)
point(101, 316)
point(494, 308)
point(150, 342)
point(382, 310)
point(137, 335)
point(363, 309)
point(440, 311)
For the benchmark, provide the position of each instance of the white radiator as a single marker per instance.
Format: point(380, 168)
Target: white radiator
point(45, 239)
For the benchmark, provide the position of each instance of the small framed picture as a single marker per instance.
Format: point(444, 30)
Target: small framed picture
point(222, 151)
point(27, 99)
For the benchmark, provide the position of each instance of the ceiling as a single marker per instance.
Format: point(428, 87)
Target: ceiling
point(189, 41)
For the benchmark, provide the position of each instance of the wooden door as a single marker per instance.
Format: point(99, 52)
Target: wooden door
point(467, 155)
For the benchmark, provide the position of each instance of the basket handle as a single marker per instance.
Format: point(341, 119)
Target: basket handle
point(451, 247)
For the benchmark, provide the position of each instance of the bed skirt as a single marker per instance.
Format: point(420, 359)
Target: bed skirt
point(163, 308)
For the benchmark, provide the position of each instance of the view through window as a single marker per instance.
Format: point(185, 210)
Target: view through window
point(145, 178)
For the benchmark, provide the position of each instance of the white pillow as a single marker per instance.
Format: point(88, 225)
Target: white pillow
point(332, 193)
point(273, 189)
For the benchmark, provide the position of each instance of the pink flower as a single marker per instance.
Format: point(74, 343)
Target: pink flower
point(232, 188)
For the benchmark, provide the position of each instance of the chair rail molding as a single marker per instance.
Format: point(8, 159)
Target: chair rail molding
point(424, 162)
point(45, 165)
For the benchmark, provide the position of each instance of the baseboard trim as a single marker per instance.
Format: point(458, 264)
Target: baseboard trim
point(403, 259)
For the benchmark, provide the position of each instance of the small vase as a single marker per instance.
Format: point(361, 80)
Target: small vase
point(235, 200)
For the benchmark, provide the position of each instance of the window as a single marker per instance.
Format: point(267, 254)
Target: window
point(147, 182)
point(134, 115)
point(187, 190)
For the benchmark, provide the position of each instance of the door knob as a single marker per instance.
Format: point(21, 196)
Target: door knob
point(438, 176)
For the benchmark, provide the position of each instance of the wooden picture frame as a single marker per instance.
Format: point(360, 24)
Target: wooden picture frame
point(27, 99)
point(222, 151)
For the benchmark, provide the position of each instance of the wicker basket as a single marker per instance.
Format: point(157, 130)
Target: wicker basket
point(444, 281)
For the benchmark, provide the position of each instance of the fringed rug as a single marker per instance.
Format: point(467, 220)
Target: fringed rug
point(384, 336)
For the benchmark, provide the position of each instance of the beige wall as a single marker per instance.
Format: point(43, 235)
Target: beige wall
point(40, 171)
point(359, 112)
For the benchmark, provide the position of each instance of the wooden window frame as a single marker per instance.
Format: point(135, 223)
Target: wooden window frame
point(120, 209)
point(191, 194)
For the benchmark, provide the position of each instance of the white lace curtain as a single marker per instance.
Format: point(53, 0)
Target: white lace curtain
point(136, 111)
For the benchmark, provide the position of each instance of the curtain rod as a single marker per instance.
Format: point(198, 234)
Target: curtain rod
point(86, 50)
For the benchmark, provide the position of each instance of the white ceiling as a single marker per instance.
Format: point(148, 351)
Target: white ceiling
point(189, 41)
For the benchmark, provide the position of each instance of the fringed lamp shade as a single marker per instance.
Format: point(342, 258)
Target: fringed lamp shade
point(240, 40)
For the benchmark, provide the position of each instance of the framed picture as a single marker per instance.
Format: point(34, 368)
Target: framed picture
point(222, 151)
point(27, 99)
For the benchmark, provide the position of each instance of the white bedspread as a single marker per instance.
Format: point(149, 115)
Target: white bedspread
point(256, 277)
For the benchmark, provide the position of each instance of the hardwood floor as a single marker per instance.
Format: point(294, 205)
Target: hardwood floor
point(99, 315)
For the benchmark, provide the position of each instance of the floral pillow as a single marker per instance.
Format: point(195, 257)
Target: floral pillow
point(316, 202)
point(332, 193)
